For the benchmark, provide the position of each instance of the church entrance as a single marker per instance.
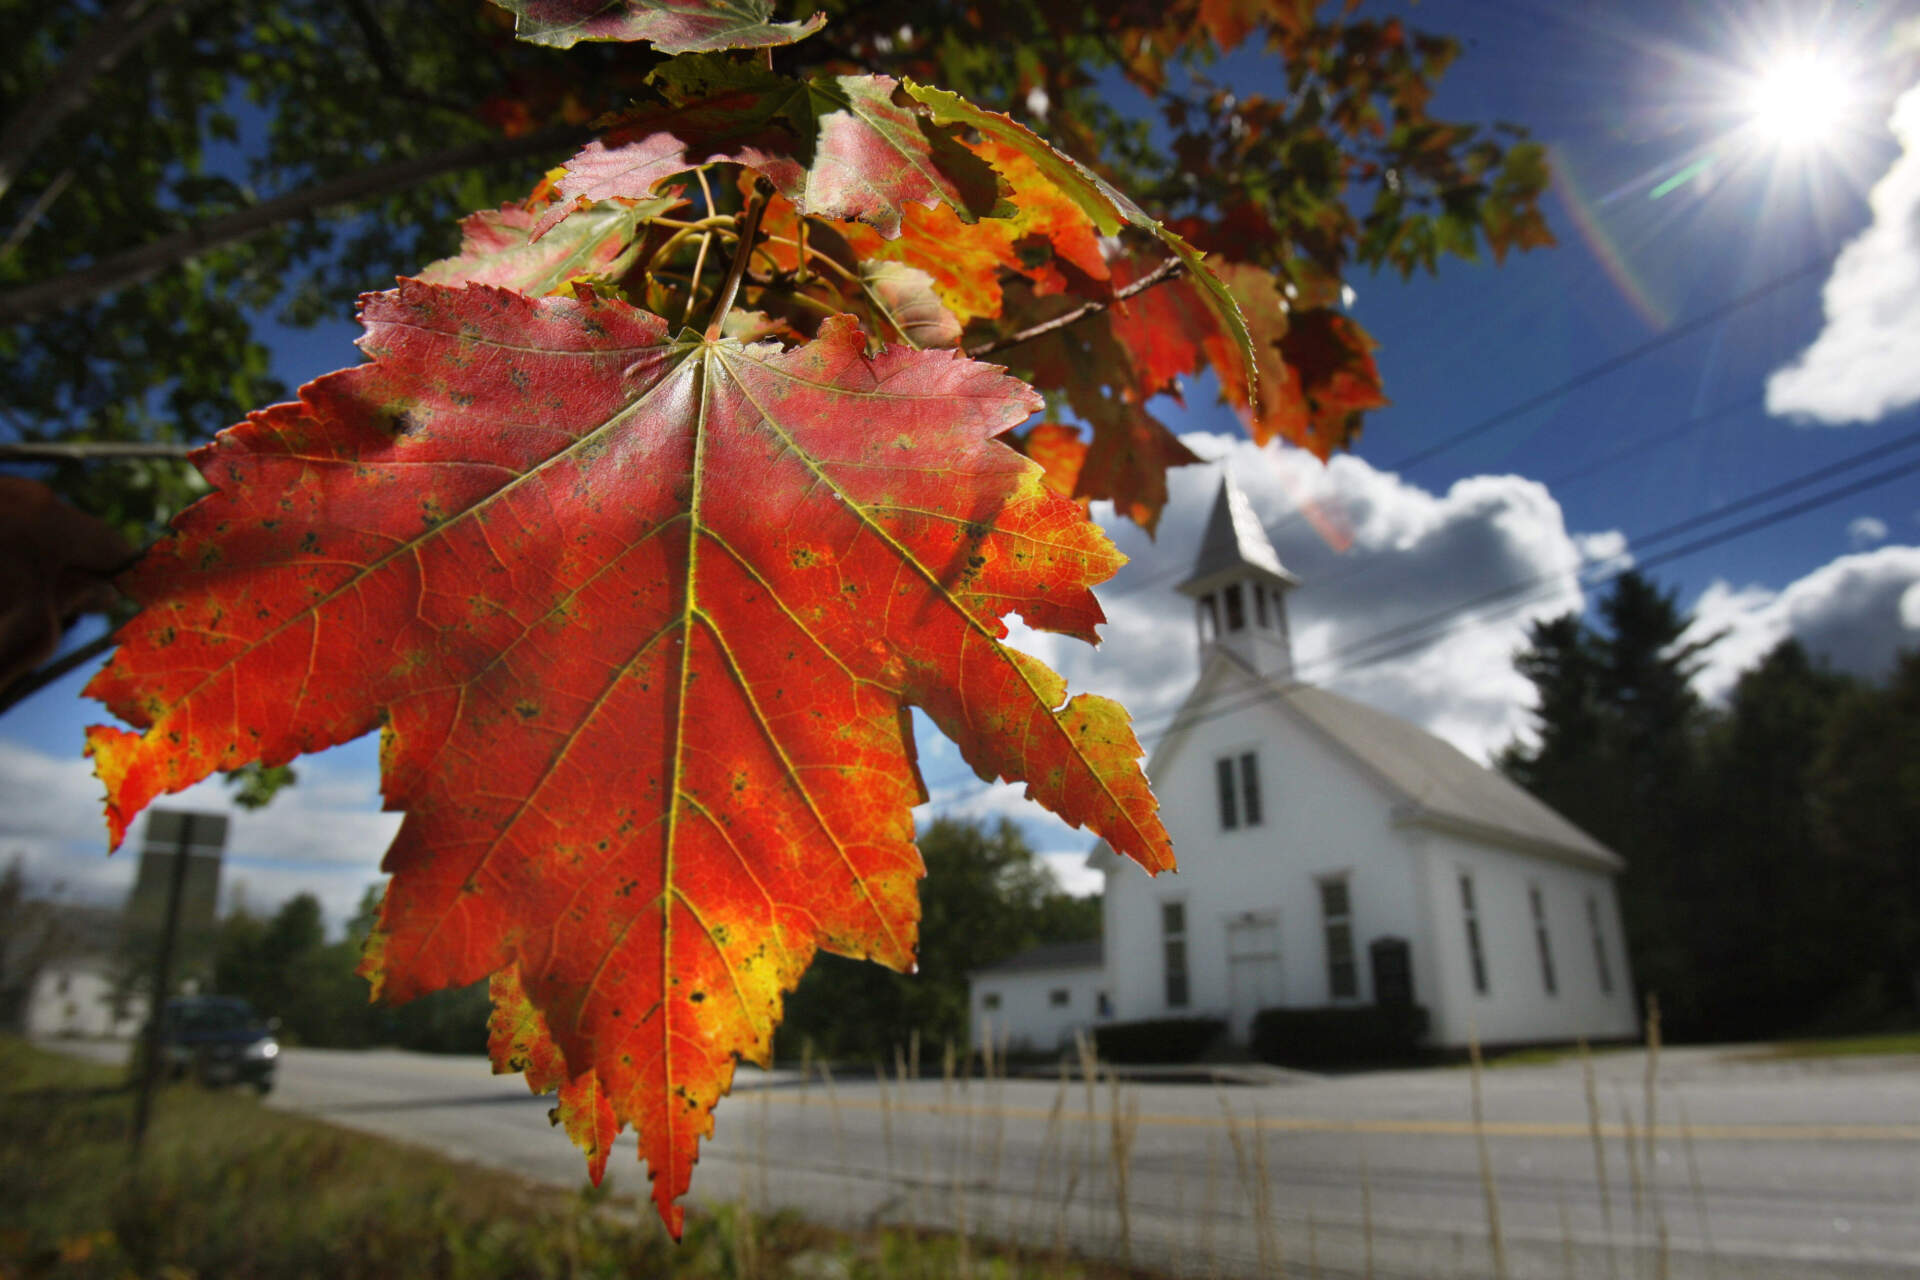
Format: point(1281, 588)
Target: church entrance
point(1253, 968)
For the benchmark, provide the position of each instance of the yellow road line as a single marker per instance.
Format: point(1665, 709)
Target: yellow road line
point(1410, 1128)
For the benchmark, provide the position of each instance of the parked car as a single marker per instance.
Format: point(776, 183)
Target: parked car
point(219, 1040)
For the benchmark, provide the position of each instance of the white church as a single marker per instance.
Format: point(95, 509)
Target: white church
point(1330, 854)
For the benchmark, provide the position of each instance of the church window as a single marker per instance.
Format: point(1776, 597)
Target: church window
point(1236, 608)
point(1209, 619)
point(1260, 606)
point(1599, 947)
point(1173, 940)
point(1239, 787)
point(1229, 803)
point(1541, 937)
point(990, 1001)
point(1475, 955)
point(1059, 997)
point(1336, 918)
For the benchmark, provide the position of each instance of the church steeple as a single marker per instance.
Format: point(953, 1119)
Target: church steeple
point(1239, 587)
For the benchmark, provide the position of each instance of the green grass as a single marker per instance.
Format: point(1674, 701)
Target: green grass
point(229, 1188)
point(1846, 1046)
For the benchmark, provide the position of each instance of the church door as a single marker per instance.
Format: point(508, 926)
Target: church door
point(1253, 968)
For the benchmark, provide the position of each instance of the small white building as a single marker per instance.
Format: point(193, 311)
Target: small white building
point(1036, 1000)
point(1332, 854)
point(77, 996)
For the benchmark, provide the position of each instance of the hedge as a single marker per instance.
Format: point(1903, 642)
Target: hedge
point(1339, 1035)
point(1157, 1039)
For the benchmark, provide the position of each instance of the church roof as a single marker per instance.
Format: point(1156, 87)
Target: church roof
point(1051, 955)
point(1439, 784)
point(1233, 541)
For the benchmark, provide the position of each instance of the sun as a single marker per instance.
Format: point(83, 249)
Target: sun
point(1799, 99)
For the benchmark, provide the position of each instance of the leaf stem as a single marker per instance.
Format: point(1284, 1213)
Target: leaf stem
point(1167, 270)
point(742, 254)
point(693, 284)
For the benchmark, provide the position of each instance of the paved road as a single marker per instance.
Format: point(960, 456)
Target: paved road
point(1781, 1169)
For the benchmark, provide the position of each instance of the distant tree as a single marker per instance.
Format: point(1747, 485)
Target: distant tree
point(1778, 947)
point(1618, 723)
point(1866, 810)
point(32, 936)
point(985, 898)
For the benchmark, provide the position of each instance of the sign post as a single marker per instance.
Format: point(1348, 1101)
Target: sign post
point(176, 836)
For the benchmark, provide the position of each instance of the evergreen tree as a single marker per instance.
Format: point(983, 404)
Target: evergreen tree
point(1775, 948)
point(1865, 786)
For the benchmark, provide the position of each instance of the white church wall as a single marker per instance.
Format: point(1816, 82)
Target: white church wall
point(1321, 817)
point(1516, 1005)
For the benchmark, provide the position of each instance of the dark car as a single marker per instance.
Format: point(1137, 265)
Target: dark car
point(219, 1040)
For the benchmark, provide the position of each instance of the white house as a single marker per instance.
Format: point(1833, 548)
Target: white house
point(77, 996)
point(1332, 854)
point(1039, 998)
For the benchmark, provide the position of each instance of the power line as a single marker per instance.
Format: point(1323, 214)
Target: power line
point(1685, 329)
point(1415, 635)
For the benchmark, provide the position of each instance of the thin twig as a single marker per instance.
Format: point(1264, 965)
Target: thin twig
point(92, 450)
point(118, 30)
point(75, 288)
point(1167, 270)
point(35, 211)
point(34, 681)
point(742, 254)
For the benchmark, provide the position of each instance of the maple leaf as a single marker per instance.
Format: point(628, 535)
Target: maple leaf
point(836, 146)
point(1060, 451)
point(497, 247)
point(1108, 208)
point(641, 620)
point(673, 26)
point(905, 296)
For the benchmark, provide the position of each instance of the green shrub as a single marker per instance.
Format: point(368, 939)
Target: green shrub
point(1157, 1039)
point(1339, 1035)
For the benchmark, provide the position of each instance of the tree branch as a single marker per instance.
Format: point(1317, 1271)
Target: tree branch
point(1166, 271)
point(34, 681)
point(91, 450)
point(112, 36)
point(30, 302)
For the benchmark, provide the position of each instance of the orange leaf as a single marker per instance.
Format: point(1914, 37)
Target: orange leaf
point(641, 620)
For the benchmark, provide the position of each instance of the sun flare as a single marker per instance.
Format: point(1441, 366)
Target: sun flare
point(1800, 99)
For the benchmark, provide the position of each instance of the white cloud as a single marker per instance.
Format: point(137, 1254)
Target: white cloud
point(1417, 616)
point(1857, 613)
point(1865, 363)
point(1865, 531)
point(323, 836)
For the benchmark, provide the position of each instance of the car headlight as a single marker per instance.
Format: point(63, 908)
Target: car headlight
point(261, 1050)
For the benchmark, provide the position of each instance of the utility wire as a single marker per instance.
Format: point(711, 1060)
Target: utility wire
point(1685, 329)
point(1409, 637)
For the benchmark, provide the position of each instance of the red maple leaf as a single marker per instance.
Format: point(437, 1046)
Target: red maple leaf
point(836, 146)
point(641, 620)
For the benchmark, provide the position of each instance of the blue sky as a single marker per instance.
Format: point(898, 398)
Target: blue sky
point(1670, 205)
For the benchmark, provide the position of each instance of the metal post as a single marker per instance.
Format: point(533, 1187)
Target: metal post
point(162, 982)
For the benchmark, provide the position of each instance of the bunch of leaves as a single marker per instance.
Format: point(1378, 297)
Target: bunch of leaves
point(651, 512)
point(179, 179)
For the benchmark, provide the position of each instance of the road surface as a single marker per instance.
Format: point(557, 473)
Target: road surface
point(1758, 1168)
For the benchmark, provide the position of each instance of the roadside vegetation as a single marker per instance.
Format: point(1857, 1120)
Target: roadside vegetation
point(229, 1188)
